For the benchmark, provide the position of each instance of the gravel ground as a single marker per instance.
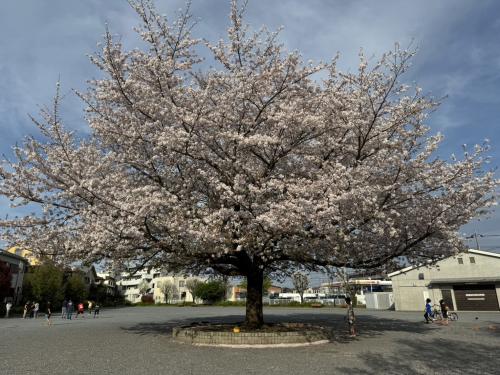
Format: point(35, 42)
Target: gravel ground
point(137, 340)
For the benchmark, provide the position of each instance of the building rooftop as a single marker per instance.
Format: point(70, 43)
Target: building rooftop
point(7, 254)
point(470, 251)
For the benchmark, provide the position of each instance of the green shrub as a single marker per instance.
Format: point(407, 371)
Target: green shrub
point(211, 291)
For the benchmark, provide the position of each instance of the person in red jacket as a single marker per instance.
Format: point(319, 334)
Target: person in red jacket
point(80, 310)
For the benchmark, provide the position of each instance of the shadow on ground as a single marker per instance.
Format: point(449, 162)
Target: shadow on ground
point(367, 326)
point(441, 356)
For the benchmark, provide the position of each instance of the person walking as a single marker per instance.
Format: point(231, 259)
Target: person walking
point(428, 315)
point(351, 319)
point(26, 308)
point(90, 306)
point(8, 306)
point(96, 310)
point(80, 310)
point(48, 313)
point(64, 309)
point(69, 310)
point(36, 307)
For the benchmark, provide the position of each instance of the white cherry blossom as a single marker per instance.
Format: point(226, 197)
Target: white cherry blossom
point(252, 167)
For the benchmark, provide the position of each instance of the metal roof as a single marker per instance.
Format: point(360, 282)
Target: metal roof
point(467, 280)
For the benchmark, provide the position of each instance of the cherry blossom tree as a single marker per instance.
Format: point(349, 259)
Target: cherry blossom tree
point(258, 165)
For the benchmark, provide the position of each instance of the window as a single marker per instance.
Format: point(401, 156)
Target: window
point(420, 276)
point(472, 260)
point(460, 261)
point(14, 268)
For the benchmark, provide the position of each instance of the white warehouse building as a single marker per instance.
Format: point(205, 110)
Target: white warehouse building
point(469, 281)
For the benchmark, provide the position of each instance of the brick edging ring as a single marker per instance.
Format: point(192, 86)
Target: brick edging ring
point(309, 335)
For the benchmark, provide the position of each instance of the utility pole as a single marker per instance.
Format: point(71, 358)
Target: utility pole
point(477, 242)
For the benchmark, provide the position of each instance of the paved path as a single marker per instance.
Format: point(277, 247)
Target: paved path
point(137, 340)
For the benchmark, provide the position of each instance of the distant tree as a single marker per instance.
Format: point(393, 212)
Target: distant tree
point(192, 285)
point(211, 291)
point(5, 280)
point(44, 284)
point(75, 288)
point(143, 287)
point(99, 294)
point(343, 275)
point(168, 289)
point(300, 283)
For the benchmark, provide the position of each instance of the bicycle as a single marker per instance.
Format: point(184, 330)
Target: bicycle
point(438, 315)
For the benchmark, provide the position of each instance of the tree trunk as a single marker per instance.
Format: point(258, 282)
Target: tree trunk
point(254, 317)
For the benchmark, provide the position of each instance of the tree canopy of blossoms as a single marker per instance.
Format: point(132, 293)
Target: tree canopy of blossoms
point(254, 166)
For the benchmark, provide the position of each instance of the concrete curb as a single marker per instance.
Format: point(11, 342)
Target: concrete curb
point(219, 336)
point(265, 346)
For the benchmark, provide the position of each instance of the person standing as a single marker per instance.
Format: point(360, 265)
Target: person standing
point(444, 311)
point(8, 306)
point(351, 319)
point(69, 310)
point(64, 309)
point(31, 309)
point(90, 306)
point(48, 314)
point(96, 309)
point(36, 307)
point(26, 308)
point(428, 311)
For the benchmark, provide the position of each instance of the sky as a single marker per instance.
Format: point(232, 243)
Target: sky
point(457, 40)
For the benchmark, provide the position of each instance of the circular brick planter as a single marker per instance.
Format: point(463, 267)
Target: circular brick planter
point(283, 335)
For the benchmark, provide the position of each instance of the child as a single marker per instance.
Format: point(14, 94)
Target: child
point(351, 319)
point(35, 310)
point(69, 309)
point(428, 311)
point(64, 308)
point(80, 310)
point(444, 311)
point(26, 309)
point(8, 306)
point(48, 314)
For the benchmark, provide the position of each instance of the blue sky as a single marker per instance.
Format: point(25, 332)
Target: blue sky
point(459, 56)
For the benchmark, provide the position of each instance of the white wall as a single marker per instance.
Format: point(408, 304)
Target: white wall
point(410, 291)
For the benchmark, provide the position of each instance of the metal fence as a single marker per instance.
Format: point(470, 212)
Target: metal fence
point(322, 301)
